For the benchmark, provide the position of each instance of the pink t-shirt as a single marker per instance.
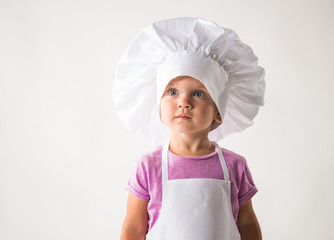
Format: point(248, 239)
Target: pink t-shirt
point(146, 183)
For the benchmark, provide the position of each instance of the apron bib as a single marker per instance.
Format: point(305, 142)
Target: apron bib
point(196, 208)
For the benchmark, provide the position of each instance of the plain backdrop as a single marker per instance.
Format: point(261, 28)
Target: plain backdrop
point(65, 156)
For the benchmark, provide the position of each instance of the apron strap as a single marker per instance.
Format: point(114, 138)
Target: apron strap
point(222, 161)
point(165, 161)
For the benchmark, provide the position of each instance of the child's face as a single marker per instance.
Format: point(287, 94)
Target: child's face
point(187, 96)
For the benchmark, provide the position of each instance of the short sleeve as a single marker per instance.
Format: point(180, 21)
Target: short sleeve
point(138, 181)
point(246, 186)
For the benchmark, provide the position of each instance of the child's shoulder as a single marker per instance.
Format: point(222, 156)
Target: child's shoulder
point(151, 156)
point(232, 158)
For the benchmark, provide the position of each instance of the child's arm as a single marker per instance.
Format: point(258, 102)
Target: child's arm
point(248, 225)
point(135, 222)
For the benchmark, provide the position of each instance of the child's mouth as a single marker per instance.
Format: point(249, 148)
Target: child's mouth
point(183, 117)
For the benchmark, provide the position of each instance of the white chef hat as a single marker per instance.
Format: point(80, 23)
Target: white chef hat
point(191, 47)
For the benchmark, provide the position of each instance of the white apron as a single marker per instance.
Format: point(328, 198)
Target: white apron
point(196, 208)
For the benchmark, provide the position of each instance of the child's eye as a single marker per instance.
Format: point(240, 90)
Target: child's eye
point(199, 94)
point(172, 92)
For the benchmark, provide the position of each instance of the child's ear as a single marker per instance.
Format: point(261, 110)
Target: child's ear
point(160, 110)
point(160, 114)
point(218, 118)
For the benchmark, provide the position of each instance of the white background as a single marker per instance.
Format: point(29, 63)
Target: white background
point(65, 157)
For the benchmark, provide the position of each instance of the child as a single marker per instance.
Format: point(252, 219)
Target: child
point(183, 84)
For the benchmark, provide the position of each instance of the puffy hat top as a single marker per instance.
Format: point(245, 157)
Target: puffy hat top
point(191, 47)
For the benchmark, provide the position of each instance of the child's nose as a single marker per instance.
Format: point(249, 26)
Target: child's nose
point(184, 103)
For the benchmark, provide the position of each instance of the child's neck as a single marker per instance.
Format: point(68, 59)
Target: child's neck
point(190, 145)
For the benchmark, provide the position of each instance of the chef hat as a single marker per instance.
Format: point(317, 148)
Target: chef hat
point(191, 47)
